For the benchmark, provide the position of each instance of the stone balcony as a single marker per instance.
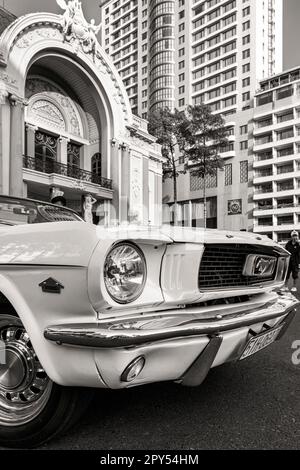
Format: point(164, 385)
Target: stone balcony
point(48, 171)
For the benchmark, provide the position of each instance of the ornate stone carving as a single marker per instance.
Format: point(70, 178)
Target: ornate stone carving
point(30, 37)
point(39, 85)
point(3, 96)
point(136, 185)
point(15, 100)
point(45, 112)
point(76, 29)
point(7, 79)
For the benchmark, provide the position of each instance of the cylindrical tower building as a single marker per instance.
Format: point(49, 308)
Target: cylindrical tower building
point(162, 54)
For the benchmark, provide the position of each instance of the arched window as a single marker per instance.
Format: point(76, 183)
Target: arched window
point(73, 160)
point(45, 152)
point(96, 167)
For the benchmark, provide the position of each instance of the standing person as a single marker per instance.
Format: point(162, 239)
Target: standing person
point(293, 247)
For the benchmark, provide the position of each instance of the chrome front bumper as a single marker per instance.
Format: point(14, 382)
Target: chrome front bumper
point(143, 330)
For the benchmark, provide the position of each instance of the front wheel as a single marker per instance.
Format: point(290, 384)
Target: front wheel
point(32, 408)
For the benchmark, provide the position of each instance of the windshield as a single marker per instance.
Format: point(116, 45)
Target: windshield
point(15, 211)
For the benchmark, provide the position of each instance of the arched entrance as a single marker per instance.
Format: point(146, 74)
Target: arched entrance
point(67, 122)
point(63, 132)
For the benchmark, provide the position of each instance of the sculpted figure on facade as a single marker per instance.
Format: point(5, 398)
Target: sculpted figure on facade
point(88, 203)
point(76, 29)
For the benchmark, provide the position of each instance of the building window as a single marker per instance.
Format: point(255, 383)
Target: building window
point(244, 129)
point(246, 82)
point(246, 39)
point(285, 151)
point(286, 134)
point(228, 174)
point(244, 145)
point(45, 152)
point(74, 155)
point(285, 93)
point(96, 165)
point(246, 53)
point(229, 101)
point(265, 99)
point(287, 116)
point(244, 172)
point(246, 96)
point(196, 183)
point(246, 25)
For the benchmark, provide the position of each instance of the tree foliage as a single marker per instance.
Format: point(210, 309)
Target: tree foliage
point(206, 138)
point(170, 128)
point(195, 134)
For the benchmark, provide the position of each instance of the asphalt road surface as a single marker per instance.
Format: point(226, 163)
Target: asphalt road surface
point(254, 404)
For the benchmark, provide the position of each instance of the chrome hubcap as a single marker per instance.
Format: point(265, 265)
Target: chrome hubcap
point(12, 373)
point(24, 385)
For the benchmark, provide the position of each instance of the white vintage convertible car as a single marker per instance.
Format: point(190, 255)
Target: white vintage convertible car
point(83, 307)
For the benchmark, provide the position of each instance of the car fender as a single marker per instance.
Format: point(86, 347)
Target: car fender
point(65, 366)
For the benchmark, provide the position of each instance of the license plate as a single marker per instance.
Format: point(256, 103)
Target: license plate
point(261, 341)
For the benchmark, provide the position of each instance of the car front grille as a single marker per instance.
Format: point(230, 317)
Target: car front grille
point(223, 265)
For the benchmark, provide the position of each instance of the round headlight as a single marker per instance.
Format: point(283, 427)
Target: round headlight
point(125, 273)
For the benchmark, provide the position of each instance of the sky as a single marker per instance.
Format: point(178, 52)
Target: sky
point(291, 33)
point(20, 7)
point(291, 29)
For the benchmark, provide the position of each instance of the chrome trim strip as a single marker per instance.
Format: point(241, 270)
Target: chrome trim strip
point(121, 333)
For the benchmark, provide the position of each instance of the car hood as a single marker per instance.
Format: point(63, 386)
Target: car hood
point(72, 243)
point(169, 234)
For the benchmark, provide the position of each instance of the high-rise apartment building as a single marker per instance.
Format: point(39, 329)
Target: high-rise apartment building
point(161, 91)
point(124, 36)
point(181, 52)
point(277, 156)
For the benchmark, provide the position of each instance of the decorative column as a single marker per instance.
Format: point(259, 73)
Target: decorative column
point(125, 179)
point(115, 176)
point(4, 143)
point(62, 153)
point(158, 201)
point(16, 146)
point(30, 140)
point(146, 201)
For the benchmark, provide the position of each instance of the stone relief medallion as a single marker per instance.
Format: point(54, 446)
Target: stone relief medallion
point(45, 112)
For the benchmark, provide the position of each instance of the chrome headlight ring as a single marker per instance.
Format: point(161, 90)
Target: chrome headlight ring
point(125, 272)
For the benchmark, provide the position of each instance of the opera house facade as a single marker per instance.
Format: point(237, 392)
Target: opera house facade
point(66, 125)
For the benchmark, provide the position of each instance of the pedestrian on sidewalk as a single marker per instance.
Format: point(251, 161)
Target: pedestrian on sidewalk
point(293, 247)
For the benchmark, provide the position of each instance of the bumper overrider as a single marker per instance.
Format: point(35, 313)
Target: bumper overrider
point(139, 332)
